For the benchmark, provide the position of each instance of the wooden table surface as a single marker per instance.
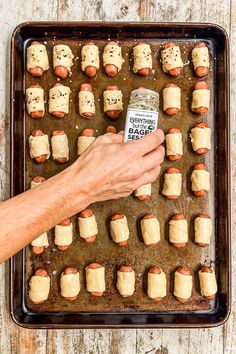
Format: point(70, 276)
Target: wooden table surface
point(14, 339)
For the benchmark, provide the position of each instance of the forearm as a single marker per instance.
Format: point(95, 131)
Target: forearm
point(30, 214)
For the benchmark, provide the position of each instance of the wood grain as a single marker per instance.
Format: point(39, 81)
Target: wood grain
point(17, 340)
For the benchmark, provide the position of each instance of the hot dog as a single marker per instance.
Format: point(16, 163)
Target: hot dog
point(37, 59)
point(183, 284)
point(150, 228)
point(112, 59)
point(142, 59)
point(59, 100)
point(70, 283)
point(64, 234)
point(172, 183)
point(95, 279)
point(111, 129)
point(88, 226)
point(90, 59)
point(113, 105)
point(36, 181)
point(144, 192)
point(85, 140)
point(203, 230)
point(200, 179)
point(178, 231)
point(201, 138)
point(201, 98)
point(174, 144)
point(39, 146)
point(119, 229)
point(39, 244)
point(125, 281)
point(62, 60)
point(156, 284)
point(39, 286)
point(208, 283)
point(171, 99)
point(86, 101)
point(200, 57)
point(60, 147)
point(35, 101)
point(171, 59)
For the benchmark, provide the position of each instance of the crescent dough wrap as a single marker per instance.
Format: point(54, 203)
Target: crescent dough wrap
point(178, 231)
point(113, 100)
point(171, 98)
point(86, 102)
point(125, 282)
point(200, 138)
point(171, 58)
point(37, 56)
point(59, 99)
point(41, 241)
point(150, 230)
point(200, 180)
point(203, 230)
point(39, 145)
point(34, 184)
point(183, 285)
point(60, 147)
point(62, 56)
point(172, 184)
point(89, 56)
point(88, 227)
point(119, 230)
point(84, 142)
point(201, 98)
point(156, 285)
point(95, 280)
point(39, 288)
point(208, 283)
point(35, 99)
point(70, 285)
point(174, 144)
point(200, 57)
point(145, 189)
point(112, 55)
point(142, 57)
point(63, 235)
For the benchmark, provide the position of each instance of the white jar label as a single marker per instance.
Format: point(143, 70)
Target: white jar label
point(139, 123)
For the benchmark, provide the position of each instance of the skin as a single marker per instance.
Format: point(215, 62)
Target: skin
point(118, 217)
point(41, 158)
point(88, 88)
point(111, 129)
point(200, 85)
point(41, 273)
point(185, 271)
point(65, 222)
point(143, 71)
point(113, 115)
point(170, 171)
point(171, 111)
point(70, 270)
point(177, 156)
point(202, 192)
point(58, 114)
point(36, 114)
point(90, 71)
point(37, 71)
point(205, 216)
point(110, 69)
point(178, 217)
point(175, 71)
point(89, 132)
point(87, 213)
point(108, 169)
point(201, 151)
point(59, 132)
point(150, 216)
point(201, 70)
point(206, 269)
point(155, 270)
point(96, 266)
point(125, 269)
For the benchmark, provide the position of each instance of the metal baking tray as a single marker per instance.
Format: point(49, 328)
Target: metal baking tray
point(138, 310)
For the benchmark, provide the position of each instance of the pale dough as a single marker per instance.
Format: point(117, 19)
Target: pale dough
point(183, 285)
point(172, 184)
point(89, 56)
point(62, 56)
point(171, 58)
point(70, 284)
point(142, 57)
point(200, 138)
point(125, 283)
point(37, 57)
point(39, 145)
point(203, 230)
point(201, 98)
point(59, 99)
point(119, 230)
point(171, 98)
point(41, 241)
point(150, 230)
point(86, 102)
point(174, 144)
point(84, 142)
point(60, 147)
point(156, 285)
point(35, 99)
point(63, 235)
point(95, 280)
point(113, 100)
point(200, 57)
point(200, 180)
point(88, 226)
point(145, 189)
point(39, 288)
point(178, 231)
point(112, 55)
point(208, 283)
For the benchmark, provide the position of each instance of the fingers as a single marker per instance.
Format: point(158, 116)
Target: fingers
point(154, 158)
point(148, 177)
point(109, 138)
point(148, 142)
